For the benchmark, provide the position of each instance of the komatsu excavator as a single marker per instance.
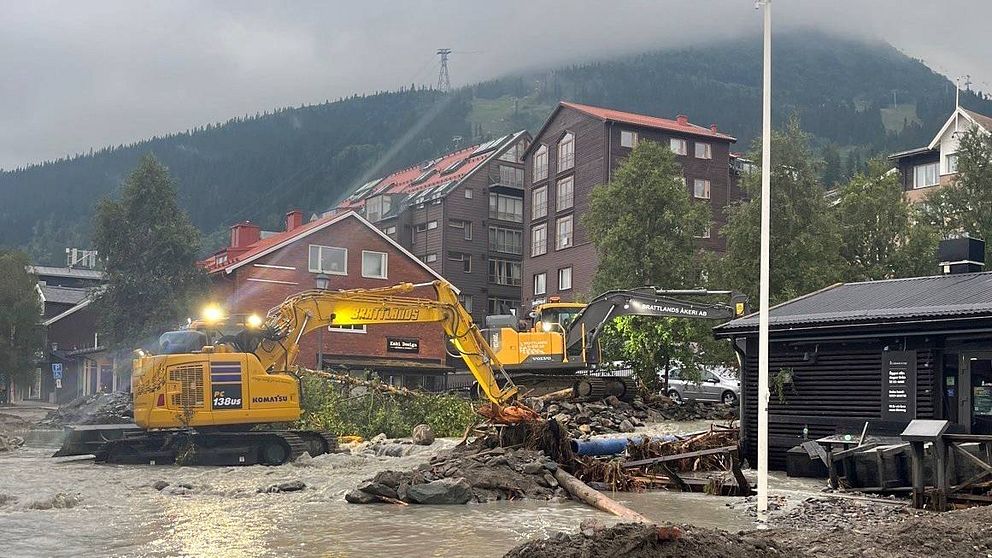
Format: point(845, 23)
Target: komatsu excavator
point(561, 348)
point(208, 392)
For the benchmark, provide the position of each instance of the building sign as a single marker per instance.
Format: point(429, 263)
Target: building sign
point(899, 385)
point(56, 370)
point(402, 345)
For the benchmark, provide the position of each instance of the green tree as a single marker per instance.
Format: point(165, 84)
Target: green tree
point(805, 243)
point(833, 171)
point(882, 235)
point(645, 227)
point(965, 206)
point(644, 224)
point(21, 336)
point(149, 247)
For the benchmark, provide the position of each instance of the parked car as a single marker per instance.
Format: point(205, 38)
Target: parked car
point(710, 387)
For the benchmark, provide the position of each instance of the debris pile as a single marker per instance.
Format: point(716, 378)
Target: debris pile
point(611, 415)
point(8, 443)
point(635, 540)
point(716, 437)
point(465, 474)
point(99, 408)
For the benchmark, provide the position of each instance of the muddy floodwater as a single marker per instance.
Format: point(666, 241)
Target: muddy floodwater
point(120, 514)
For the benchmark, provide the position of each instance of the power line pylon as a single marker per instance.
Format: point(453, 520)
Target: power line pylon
point(443, 83)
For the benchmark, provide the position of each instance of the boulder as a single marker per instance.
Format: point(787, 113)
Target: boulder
point(287, 486)
point(626, 426)
point(359, 497)
point(159, 484)
point(533, 468)
point(304, 460)
point(378, 489)
point(423, 435)
point(439, 492)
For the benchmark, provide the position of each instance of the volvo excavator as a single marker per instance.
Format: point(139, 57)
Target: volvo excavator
point(561, 348)
point(202, 396)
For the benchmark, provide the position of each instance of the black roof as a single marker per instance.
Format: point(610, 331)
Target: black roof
point(963, 295)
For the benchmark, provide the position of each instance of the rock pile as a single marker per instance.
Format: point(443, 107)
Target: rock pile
point(99, 408)
point(465, 475)
point(610, 415)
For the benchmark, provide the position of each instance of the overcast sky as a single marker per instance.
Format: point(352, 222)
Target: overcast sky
point(78, 75)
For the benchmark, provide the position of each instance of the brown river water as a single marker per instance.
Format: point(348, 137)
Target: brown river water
point(120, 514)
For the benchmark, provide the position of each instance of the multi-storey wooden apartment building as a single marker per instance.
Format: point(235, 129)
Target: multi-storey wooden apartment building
point(579, 147)
point(462, 214)
point(925, 168)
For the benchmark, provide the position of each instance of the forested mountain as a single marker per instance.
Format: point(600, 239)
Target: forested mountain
point(256, 167)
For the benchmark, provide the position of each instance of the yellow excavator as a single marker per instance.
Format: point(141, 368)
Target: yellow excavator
point(561, 347)
point(208, 391)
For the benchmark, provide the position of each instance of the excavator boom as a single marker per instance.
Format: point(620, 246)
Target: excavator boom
point(314, 309)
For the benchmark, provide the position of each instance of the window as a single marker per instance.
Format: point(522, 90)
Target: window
point(515, 153)
point(703, 151)
point(701, 189)
point(466, 260)
point(925, 175)
point(511, 176)
point(541, 163)
point(565, 193)
point(423, 177)
point(350, 328)
point(504, 272)
point(466, 227)
point(566, 152)
point(539, 207)
point(374, 264)
point(705, 233)
point(377, 207)
point(389, 230)
point(328, 259)
point(539, 240)
point(565, 279)
point(679, 146)
point(564, 237)
point(502, 306)
point(466, 302)
point(430, 258)
point(423, 227)
point(508, 241)
point(628, 138)
point(540, 283)
point(468, 193)
point(951, 163)
point(506, 208)
point(220, 260)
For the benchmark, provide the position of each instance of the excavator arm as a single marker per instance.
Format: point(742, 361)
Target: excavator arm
point(307, 311)
point(585, 329)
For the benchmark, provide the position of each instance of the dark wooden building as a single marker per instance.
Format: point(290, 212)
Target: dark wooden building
point(462, 215)
point(578, 148)
point(884, 352)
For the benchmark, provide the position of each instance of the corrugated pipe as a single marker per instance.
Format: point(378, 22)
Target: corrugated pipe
point(613, 446)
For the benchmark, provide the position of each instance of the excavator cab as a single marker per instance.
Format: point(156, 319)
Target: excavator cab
point(555, 315)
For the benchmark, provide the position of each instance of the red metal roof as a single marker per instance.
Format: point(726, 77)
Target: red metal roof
point(647, 121)
point(401, 182)
point(233, 257)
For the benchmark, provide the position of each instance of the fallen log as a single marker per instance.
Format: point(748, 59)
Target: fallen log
point(555, 395)
point(585, 494)
point(352, 381)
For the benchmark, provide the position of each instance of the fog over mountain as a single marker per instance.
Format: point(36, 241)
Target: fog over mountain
point(85, 75)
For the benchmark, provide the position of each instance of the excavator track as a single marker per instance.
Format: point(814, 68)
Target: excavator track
point(273, 447)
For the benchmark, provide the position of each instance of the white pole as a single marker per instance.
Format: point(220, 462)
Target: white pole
point(766, 166)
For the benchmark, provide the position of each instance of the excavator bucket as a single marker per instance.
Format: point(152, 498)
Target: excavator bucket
point(511, 414)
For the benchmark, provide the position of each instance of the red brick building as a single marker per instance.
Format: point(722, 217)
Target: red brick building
point(254, 274)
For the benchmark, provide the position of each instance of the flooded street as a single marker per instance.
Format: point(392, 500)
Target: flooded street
point(120, 514)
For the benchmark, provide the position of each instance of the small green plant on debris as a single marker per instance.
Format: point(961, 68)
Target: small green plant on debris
point(367, 412)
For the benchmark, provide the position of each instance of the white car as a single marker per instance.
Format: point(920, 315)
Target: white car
point(710, 387)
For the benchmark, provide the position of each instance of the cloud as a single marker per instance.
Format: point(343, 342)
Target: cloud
point(81, 75)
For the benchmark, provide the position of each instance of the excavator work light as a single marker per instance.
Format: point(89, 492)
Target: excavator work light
point(254, 321)
point(212, 313)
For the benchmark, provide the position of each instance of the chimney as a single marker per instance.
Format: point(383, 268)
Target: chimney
point(245, 234)
point(682, 119)
point(713, 128)
point(294, 219)
point(961, 255)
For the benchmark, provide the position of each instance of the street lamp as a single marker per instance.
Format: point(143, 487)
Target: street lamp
point(321, 281)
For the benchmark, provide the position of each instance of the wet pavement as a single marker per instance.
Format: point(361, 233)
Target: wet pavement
point(120, 514)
